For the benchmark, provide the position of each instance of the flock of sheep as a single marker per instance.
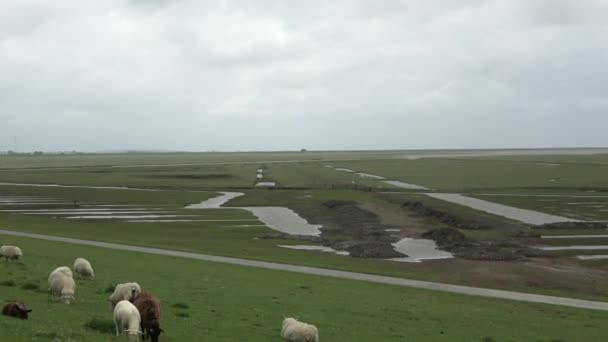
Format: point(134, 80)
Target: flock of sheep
point(136, 313)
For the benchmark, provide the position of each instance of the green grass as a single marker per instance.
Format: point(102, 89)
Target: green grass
point(130, 159)
point(219, 239)
point(232, 303)
point(477, 174)
point(581, 208)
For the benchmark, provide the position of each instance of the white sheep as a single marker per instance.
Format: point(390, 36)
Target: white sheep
point(83, 268)
point(11, 252)
point(126, 291)
point(127, 320)
point(62, 284)
point(296, 331)
point(65, 270)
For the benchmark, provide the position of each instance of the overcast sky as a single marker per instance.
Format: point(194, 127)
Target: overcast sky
point(276, 75)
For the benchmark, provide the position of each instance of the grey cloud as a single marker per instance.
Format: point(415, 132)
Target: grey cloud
point(200, 75)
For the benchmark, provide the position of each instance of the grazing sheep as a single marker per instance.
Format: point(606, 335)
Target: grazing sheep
point(127, 320)
point(11, 253)
point(65, 270)
point(62, 284)
point(83, 268)
point(16, 309)
point(126, 291)
point(149, 309)
point(296, 331)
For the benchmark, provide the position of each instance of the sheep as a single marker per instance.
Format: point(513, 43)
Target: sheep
point(61, 284)
point(65, 270)
point(149, 309)
point(296, 331)
point(11, 253)
point(16, 309)
point(126, 291)
point(127, 320)
point(83, 268)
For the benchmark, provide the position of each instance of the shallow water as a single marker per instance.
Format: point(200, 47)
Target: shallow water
point(266, 185)
point(216, 202)
point(189, 220)
point(574, 236)
point(34, 203)
point(131, 217)
point(522, 215)
point(76, 210)
point(315, 248)
point(344, 170)
point(278, 218)
point(592, 257)
point(284, 220)
point(61, 213)
point(404, 185)
point(80, 186)
point(573, 248)
point(367, 175)
point(418, 250)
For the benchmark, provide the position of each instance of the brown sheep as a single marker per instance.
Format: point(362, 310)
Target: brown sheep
point(16, 309)
point(149, 309)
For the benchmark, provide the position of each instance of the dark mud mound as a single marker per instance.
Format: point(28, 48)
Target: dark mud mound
point(347, 221)
point(446, 236)
point(443, 217)
point(457, 243)
point(573, 225)
point(348, 227)
point(284, 236)
point(368, 249)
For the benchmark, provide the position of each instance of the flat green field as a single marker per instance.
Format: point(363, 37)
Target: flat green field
point(306, 186)
point(216, 302)
point(477, 174)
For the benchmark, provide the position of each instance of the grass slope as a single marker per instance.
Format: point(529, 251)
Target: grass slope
point(215, 302)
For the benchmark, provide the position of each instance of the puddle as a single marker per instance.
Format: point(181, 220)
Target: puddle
point(259, 176)
point(284, 220)
point(343, 169)
point(92, 213)
point(106, 217)
point(216, 202)
point(392, 230)
point(75, 210)
point(404, 185)
point(35, 203)
point(418, 250)
point(187, 220)
point(592, 257)
point(278, 218)
point(244, 226)
point(266, 185)
point(315, 248)
point(517, 214)
point(79, 186)
point(573, 248)
point(367, 175)
point(573, 236)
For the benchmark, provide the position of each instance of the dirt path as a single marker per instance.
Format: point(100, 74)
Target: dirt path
point(474, 291)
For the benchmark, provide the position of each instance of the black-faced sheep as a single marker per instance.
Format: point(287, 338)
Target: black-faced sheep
point(149, 309)
point(16, 309)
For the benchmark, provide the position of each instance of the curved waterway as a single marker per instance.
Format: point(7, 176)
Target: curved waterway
point(280, 219)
